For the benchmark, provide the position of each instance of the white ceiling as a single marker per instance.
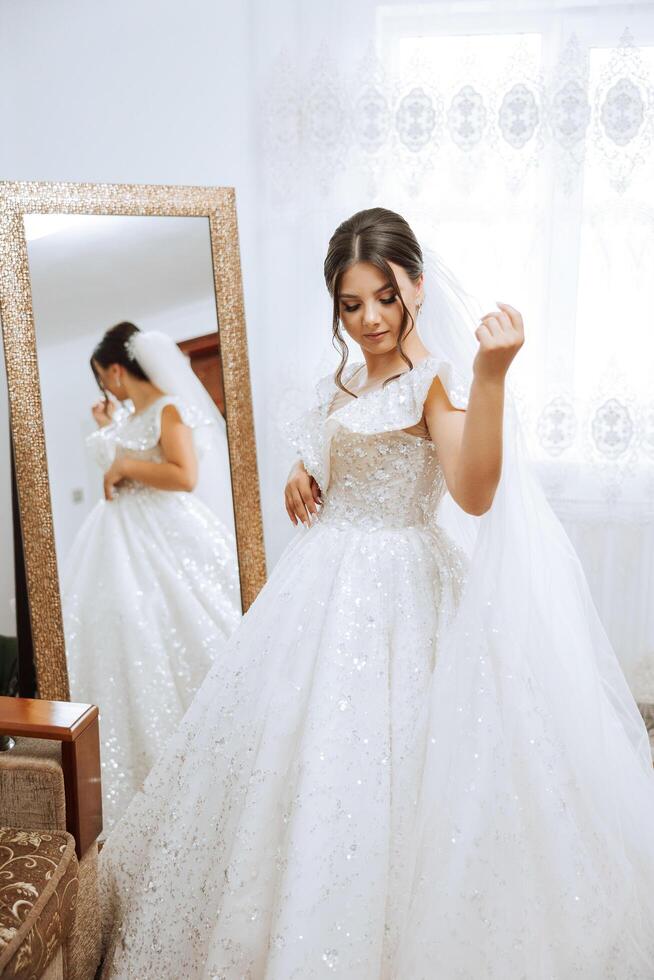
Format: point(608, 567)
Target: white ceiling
point(88, 272)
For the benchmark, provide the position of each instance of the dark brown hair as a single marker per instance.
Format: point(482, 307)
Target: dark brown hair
point(112, 350)
point(378, 236)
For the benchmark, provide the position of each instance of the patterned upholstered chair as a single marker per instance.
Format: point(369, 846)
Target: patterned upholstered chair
point(39, 887)
point(50, 818)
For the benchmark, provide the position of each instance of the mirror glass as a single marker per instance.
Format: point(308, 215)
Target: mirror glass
point(134, 411)
point(9, 680)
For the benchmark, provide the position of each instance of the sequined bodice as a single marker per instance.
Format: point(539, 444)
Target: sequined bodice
point(138, 434)
point(372, 473)
point(382, 480)
point(133, 434)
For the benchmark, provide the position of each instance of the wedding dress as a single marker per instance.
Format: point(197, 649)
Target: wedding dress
point(150, 594)
point(358, 789)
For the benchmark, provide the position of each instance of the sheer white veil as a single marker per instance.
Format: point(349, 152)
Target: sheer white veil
point(535, 740)
point(170, 370)
point(520, 544)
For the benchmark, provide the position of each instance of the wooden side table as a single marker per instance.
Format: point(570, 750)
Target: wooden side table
point(76, 727)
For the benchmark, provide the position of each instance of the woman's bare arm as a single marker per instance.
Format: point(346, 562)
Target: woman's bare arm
point(178, 472)
point(470, 442)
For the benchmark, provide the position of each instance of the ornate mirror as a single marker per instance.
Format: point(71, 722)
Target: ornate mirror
point(130, 416)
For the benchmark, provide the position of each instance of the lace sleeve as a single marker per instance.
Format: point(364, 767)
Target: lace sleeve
point(305, 431)
point(304, 435)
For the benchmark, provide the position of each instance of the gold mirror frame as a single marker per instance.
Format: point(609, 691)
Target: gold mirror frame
point(218, 204)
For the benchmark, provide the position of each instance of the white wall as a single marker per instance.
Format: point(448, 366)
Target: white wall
point(136, 91)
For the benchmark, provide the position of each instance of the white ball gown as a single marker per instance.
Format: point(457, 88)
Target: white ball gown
point(150, 594)
point(289, 831)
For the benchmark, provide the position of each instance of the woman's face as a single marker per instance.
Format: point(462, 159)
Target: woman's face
point(111, 380)
point(370, 310)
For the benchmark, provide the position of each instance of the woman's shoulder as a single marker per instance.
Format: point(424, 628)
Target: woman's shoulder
point(171, 406)
point(158, 405)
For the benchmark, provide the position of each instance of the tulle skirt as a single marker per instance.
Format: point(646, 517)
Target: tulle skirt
point(150, 595)
point(369, 786)
point(274, 836)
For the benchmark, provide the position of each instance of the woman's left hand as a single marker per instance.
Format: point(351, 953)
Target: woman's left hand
point(112, 477)
point(500, 335)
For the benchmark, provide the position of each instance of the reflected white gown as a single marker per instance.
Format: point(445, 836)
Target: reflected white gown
point(277, 837)
point(150, 594)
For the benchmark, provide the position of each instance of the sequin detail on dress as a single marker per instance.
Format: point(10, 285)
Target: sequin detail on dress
point(150, 594)
point(273, 839)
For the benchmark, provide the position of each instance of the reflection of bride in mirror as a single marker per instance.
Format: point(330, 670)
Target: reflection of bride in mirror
point(150, 590)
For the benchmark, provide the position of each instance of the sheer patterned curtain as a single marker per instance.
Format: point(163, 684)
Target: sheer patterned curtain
point(519, 138)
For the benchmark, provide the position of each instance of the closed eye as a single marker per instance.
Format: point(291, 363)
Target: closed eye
point(386, 302)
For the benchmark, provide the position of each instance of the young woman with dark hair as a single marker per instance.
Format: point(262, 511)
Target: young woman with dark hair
point(414, 761)
point(150, 588)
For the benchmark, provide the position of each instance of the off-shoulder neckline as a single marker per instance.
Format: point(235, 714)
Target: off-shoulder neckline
point(384, 386)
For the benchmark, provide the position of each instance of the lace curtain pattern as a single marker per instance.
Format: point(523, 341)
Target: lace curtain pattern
point(522, 141)
point(332, 118)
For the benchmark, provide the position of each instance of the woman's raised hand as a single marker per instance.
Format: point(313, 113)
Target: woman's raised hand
point(103, 412)
point(500, 335)
point(301, 495)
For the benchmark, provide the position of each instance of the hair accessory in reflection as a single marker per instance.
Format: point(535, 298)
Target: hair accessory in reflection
point(130, 345)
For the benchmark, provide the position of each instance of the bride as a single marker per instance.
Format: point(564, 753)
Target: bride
point(418, 757)
point(150, 590)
